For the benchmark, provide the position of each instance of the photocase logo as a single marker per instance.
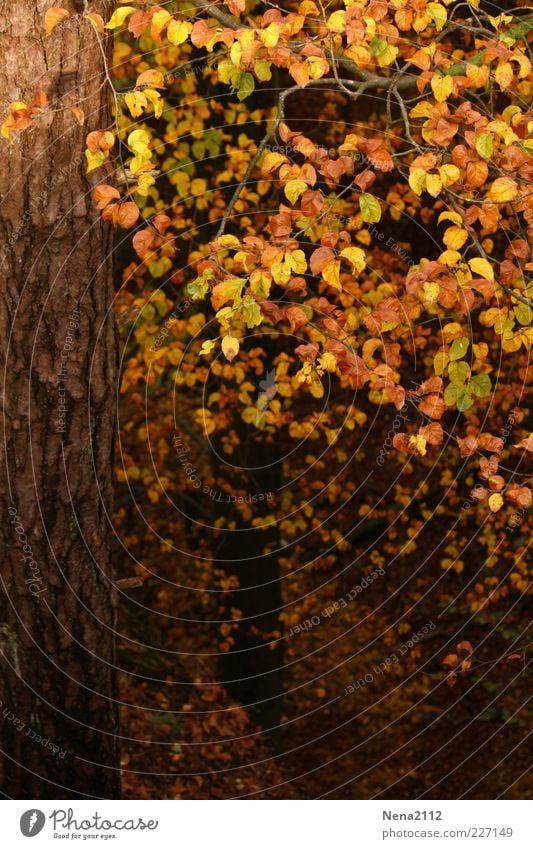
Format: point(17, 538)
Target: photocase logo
point(32, 822)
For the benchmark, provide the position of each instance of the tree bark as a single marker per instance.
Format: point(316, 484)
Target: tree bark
point(58, 358)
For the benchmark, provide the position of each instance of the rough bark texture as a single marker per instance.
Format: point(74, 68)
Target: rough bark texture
point(58, 716)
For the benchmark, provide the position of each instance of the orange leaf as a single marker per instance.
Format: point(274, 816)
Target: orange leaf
point(161, 222)
point(128, 214)
point(96, 20)
point(142, 242)
point(79, 114)
point(102, 195)
point(152, 78)
point(53, 17)
point(299, 72)
point(297, 318)
point(433, 406)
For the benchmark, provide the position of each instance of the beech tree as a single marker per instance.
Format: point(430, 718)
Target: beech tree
point(59, 367)
point(324, 214)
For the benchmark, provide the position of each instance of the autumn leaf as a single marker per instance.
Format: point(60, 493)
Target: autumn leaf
point(495, 502)
point(128, 214)
point(370, 208)
point(482, 267)
point(293, 190)
point(503, 189)
point(54, 16)
point(526, 444)
point(297, 318)
point(102, 195)
point(96, 20)
point(356, 256)
point(119, 16)
point(79, 114)
point(442, 87)
point(178, 32)
point(230, 347)
point(150, 78)
point(142, 242)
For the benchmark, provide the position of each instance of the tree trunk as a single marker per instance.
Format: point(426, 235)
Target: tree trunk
point(58, 354)
point(252, 668)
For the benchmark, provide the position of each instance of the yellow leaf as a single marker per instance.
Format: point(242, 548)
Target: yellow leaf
point(331, 273)
point(502, 190)
point(356, 256)
point(230, 347)
point(449, 175)
point(228, 290)
point(138, 141)
point(159, 21)
point(387, 57)
point(442, 87)
point(207, 346)
point(424, 109)
point(227, 241)
point(327, 362)
point(294, 189)
point(296, 261)
point(317, 67)
point(119, 16)
point(418, 444)
point(431, 293)
point(495, 502)
point(455, 237)
point(178, 32)
point(143, 184)
point(136, 103)
point(450, 257)
point(260, 284)
point(272, 161)
point(504, 74)
point(54, 16)
point(270, 35)
point(484, 145)
point(417, 180)
point(433, 185)
point(438, 14)
point(156, 100)
point(450, 216)
point(370, 208)
point(337, 21)
point(94, 160)
point(482, 267)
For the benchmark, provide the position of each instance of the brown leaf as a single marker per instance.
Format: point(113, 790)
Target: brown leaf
point(129, 583)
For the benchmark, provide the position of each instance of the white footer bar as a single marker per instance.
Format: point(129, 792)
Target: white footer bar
point(268, 825)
